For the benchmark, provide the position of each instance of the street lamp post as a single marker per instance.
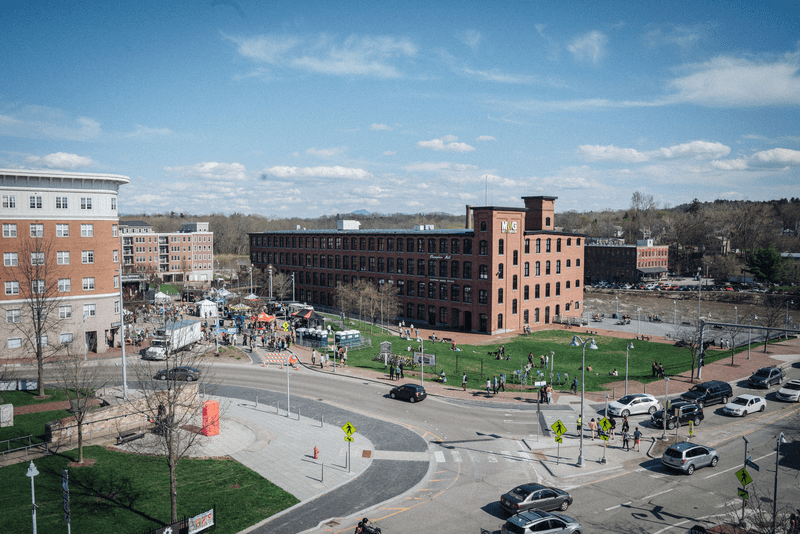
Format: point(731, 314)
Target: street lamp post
point(666, 392)
point(32, 472)
point(578, 342)
point(638, 320)
point(605, 441)
point(707, 263)
point(749, 333)
point(787, 312)
point(699, 291)
point(617, 299)
point(736, 310)
point(781, 439)
point(552, 365)
point(251, 280)
point(627, 349)
point(675, 312)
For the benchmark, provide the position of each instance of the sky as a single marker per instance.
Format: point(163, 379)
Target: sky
point(302, 109)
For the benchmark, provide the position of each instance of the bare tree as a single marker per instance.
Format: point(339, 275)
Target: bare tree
point(38, 286)
point(282, 285)
point(734, 331)
point(689, 337)
point(79, 381)
point(173, 402)
point(774, 315)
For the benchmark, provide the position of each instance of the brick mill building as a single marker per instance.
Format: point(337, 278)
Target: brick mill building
point(61, 258)
point(614, 261)
point(507, 269)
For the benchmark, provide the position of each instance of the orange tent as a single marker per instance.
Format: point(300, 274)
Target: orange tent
point(264, 318)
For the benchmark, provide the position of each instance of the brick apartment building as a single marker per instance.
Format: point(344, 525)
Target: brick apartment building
point(184, 256)
point(507, 270)
point(61, 256)
point(614, 261)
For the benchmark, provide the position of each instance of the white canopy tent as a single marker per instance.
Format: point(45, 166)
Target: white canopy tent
point(161, 298)
point(206, 309)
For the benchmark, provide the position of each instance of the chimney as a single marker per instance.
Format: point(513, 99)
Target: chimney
point(469, 217)
point(541, 212)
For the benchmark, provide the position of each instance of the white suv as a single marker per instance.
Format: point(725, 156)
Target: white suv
point(633, 404)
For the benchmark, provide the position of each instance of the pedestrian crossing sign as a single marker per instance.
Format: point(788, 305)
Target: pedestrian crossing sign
point(743, 493)
point(559, 428)
point(604, 437)
point(743, 476)
point(559, 439)
point(285, 326)
point(605, 424)
point(349, 429)
point(349, 438)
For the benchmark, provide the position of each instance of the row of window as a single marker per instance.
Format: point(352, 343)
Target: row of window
point(64, 312)
point(62, 230)
point(11, 259)
point(61, 202)
point(64, 285)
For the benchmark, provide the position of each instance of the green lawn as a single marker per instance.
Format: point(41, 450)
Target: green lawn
point(26, 398)
point(31, 424)
point(478, 365)
point(131, 492)
point(170, 289)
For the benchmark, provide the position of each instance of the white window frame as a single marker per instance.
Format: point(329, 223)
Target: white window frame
point(62, 257)
point(36, 202)
point(37, 258)
point(87, 257)
point(65, 312)
point(116, 282)
point(87, 230)
point(61, 203)
point(10, 230)
point(66, 338)
point(116, 307)
point(10, 259)
point(88, 283)
point(114, 203)
point(13, 316)
point(12, 287)
point(86, 203)
point(64, 285)
point(62, 230)
point(37, 230)
point(37, 287)
point(89, 310)
point(9, 201)
point(113, 230)
point(115, 255)
point(14, 342)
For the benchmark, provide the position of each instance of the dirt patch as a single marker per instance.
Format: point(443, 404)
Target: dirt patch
point(87, 462)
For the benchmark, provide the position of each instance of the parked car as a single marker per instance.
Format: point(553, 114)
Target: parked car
point(410, 392)
point(745, 404)
point(707, 393)
point(536, 496)
point(766, 377)
point(184, 372)
point(790, 391)
point(538, 521)
point(688, 457)
point(686, 412)
point(634, 404)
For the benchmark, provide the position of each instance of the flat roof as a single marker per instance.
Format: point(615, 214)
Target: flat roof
point(444, 231)
point(64, 174)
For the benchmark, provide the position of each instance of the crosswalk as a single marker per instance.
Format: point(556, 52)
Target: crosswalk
point(478, 456)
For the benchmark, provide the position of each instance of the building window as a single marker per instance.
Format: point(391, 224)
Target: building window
point(547, 290)
point(66, 338)
point(12, 288)
point(9, 230)
point(14, 342)
point(566, 284)
point(65, 312)
point(483, 272)
point(483, 296)
point(89, 310)
point(13, 316)
point(499, 321)
point(36, 202)
point(454, 292)
point(410, 267)
point(87, 230)
point(61, 203)
point(513, 306)
point(537, 269)
point(62, 230)
point(525, 316)
point(501, 245)
point(500, 271)
point(410, 289)
point(113, 230)
point(432, 268)
point(500, 295)
point(116, 282)
point(514, 282)
point(64, 285)
point(37, 230)
point(9, 201)
point(558, 245)
point(547, 268)
point(536, 293)
point(468, 270)
point(526, 293)
point(566, 307)
point(558, 289)
point(442, 291)
point(443, 315)
point(526, 269)
point(421, 290)
point(114, 203)
point(10, 259)
point(558, 266)
point(115, 256)
point(88, 283)
point(569, 241)
point(538, 245)
point(547, 222)
point(431, 290)
point(527, 246)
point(468, 246)
point(454, 246)
point(86, 203)
point(515, 261)
point(87, 256)
point(577, 283)
point(116, 307)
point(569, 264)
point(483, 248)
point(420, 245)
point(577, 262)
point(454, 269)
point(483, 226)
point(37, 287)
point(431, 245)
point(547, 245)
point(467, 294)
point(536, 315)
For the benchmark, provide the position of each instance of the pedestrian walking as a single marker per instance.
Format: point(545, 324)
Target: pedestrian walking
point(593, 427)
point(541, 361)
point(530, 358)
point(494, 384)
point(397, 372)
point(575, 385)
point(626, 437)
point(637, 436)
point(549, 394)
point(503, 382)
point(464, 382)
point(313, 356)
point(402, 370)
point(391, 372)
point(613, 423)
point(655, 368)
point(625, 426)
point(580, 425)
point(488, 387)
point(558, 379)
point(547, 362)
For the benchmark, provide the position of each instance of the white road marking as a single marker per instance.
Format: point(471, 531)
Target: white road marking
point(656, 495)
point(524, 455)
point(439, 456)
point(617, 506)
point(738, 467)
point(456, 456)
point(491, 457)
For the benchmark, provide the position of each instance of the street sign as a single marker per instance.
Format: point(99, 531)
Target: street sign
point(285, 326)
point(558, 427)
point(743, 493)
point(691, 428)
point(65, 491)
point(349, 438)
point(743, 476)
point(751, 463)
point(559, 439)
point(604, 437)
point(349, 429)
point(605, 424)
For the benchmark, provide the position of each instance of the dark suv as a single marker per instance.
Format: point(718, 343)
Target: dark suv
point(765, 377)
point(687, 411)
point(707, 393)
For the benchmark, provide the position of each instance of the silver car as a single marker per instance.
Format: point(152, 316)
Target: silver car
point(634, 404)
point(537, 521)
point(688, 457)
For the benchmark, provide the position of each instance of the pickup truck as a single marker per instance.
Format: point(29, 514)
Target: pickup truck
point(177, 336)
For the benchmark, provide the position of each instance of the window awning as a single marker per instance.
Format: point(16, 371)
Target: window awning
point(652, 270)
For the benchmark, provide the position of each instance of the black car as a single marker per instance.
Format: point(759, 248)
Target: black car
point(766, 377)
point(183, 372)
point(707, 393)
point(409, 392)
point(536, 496)
point(686, 412)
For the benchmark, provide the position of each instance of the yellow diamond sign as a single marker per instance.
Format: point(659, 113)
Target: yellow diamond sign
point(349, 429)
point(558, 427)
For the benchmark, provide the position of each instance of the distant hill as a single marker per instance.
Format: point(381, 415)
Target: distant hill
point(360, 212)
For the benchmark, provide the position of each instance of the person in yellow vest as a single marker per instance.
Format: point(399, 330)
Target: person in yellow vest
point(579, 425)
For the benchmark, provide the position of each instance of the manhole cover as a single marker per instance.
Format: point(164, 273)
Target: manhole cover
point(366, 454)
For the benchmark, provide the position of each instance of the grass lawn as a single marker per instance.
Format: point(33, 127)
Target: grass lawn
point(128, 493)
point(26, 398)
point(169, 289)
point(474, 360)
point(31, 424)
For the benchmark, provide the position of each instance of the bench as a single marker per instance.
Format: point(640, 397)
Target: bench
point(130, 436)
point(446, 340)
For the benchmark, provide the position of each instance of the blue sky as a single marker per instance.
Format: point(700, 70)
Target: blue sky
point(313, 108)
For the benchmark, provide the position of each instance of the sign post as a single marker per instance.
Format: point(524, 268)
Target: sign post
point(559, 428)
point(65, 491)
point(349, 430)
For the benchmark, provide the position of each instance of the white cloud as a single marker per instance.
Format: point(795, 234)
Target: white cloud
point(495, 75)
point(447, 144)
point(471, 38)
point(439, 167)
point(776, 158)
point(145, 131)
point(692, 150)
point(60, 160)
point(389, 153)
point(729, 81)
point(356, 55)
point(485, 138)
point(380, 127)
point(324, 152)
point(590, 47)
point(681, 36)
point(317, 172)
point(210, 170)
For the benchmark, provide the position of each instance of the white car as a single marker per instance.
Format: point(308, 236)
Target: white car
point(634, 404)
point(745, 404)
point(790, 391)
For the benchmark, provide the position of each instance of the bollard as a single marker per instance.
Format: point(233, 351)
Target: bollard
point(298, 414)
point(256, 401)
point(322, 473)
point(320, 421)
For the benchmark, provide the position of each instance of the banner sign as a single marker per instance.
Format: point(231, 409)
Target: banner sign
point(201, 522)
point(428, 359)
